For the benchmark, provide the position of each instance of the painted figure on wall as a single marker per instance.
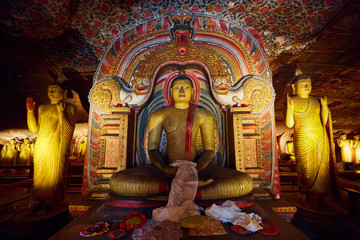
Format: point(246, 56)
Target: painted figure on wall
point(356, 146)
point(313, 150)
point(346, 148)
point(55, 126)
point(25, 150)
point(181, 124)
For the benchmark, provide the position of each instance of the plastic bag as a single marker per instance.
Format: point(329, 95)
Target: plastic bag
point(229, 212)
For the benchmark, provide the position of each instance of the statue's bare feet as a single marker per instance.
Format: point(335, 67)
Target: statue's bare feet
point(205, 182)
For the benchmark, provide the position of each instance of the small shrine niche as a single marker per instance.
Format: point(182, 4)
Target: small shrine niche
point(231, 79)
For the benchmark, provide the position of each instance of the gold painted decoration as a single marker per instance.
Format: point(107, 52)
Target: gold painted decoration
point(105, 95)
point(259, 95)
point(193, 53)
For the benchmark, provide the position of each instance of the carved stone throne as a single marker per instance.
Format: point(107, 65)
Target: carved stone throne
point(231, 79)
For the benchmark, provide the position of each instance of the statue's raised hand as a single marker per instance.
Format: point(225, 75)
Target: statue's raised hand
point(30, 104)
point(60, 106)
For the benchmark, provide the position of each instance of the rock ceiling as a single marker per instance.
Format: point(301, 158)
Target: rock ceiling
point(43, 40)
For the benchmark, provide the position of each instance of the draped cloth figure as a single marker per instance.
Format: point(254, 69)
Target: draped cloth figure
point(51, 152)
point(312, 149)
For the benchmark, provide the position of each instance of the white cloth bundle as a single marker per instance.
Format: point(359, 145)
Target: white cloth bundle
point(182, 194)
point(229, 212)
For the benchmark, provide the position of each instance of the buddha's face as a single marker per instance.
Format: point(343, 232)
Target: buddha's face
point(55, 93)
point(343, 136)
point(302, 87)
point(356, 137)
point(182, 91)
point(26, 141)
point(12, 142)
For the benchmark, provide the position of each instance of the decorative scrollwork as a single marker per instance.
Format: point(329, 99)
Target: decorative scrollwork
point(258, 94)
point(105, 95)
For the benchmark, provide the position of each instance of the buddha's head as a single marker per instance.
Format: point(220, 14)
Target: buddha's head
point(356, 137)
point(26, 141)
point(56, 92)
point(301, 86)
point(12, 141)
point(181, 90)
point(343, 136)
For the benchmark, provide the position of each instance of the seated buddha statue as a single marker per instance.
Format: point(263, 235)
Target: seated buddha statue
point(181, 123)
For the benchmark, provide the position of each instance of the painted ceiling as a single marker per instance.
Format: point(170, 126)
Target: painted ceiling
point(69, 38)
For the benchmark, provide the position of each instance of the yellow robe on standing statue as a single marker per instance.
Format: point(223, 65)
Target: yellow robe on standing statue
point(312, 149)
point(51, 151)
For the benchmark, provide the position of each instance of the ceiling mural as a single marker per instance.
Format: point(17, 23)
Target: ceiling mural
point(89, 26)
point(320, 37)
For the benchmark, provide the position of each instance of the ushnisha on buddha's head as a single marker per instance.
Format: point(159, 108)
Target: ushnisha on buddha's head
point(182, 91)
point(56, 92)
point(301, 86)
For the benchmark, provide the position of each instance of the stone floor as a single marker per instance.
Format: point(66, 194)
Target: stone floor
point(15, 203)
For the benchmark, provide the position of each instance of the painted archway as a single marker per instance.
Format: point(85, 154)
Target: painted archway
point(237, 77)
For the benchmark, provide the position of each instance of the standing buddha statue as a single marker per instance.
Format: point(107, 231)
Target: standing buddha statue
point(25, 150)
point(346, 146)
point(312, 145)
point(356, 146)
point(10, 153)
point(55, 126)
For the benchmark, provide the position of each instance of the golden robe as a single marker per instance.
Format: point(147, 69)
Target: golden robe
point(312, 149)
point(51, 152)
point(25, 154)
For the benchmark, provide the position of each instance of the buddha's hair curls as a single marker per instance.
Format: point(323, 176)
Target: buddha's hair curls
point(58, 84)
point(299, 77)
point(182, 77)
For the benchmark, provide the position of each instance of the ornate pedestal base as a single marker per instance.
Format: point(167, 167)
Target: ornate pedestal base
point(116, 207)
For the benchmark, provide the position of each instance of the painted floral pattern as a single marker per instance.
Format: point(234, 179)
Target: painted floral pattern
point(284, 26)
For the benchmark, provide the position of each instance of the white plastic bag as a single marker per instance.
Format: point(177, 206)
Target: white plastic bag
point(229, 212)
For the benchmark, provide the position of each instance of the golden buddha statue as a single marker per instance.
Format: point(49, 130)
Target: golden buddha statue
point(290, 149)
point(356, 146)
point(312, 147)
point(346, 148)
point(82, 147)
point(25, 150)
point(181, 124)
point(55, 127)
point(10, 153)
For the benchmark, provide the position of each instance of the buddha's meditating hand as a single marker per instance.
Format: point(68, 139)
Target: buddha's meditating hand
point(181, 123)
